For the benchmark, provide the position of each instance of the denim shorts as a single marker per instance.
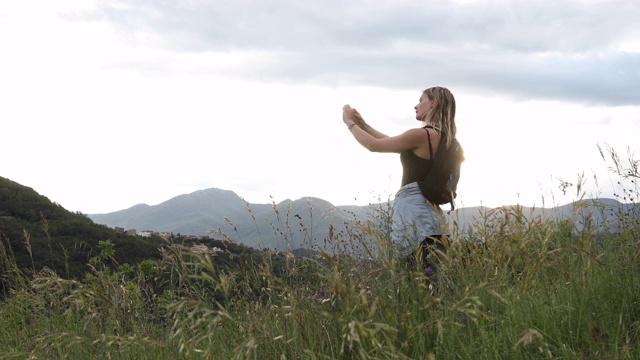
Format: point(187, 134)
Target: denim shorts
point(413, 219)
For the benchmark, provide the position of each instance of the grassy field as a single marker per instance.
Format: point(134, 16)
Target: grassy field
point(513, 287)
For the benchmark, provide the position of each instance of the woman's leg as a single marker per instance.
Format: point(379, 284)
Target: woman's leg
point(423, 256)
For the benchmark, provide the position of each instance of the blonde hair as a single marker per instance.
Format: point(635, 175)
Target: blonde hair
point(443, 114)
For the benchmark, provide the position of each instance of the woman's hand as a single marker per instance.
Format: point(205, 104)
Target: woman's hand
point(348, 115)
point(357, 118)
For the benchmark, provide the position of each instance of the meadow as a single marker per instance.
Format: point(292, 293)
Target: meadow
point(513, 286)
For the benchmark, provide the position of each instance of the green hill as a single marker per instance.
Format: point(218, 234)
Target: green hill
point(39, 233)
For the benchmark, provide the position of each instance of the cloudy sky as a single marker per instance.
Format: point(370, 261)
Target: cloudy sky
point(108, 104)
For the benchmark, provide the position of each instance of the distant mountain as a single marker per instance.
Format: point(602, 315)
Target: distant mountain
point(600, 214)
point(300, 223)
point(285, 225)
point(304, 223)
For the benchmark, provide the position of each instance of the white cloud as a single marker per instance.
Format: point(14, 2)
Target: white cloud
point(111, 104)
point(567, 49)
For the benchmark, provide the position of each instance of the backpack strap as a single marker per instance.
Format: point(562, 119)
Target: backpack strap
point(429, 138)
point(431, 153)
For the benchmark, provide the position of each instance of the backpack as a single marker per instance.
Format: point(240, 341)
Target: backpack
point(440, 184)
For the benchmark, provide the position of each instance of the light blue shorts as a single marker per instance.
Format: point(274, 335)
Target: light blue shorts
point(413, 219)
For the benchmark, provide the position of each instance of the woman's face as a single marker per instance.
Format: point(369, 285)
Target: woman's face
point(423, 107)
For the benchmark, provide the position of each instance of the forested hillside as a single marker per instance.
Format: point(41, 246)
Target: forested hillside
point(40, 233)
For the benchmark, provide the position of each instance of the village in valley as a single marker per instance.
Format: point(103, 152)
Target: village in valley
point(196, 248)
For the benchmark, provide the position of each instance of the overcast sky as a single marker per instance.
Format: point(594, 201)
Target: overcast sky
point(108, 104)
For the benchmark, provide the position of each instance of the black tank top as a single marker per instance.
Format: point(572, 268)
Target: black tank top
point(414, 168)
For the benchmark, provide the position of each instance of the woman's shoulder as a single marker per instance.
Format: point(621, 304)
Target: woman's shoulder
point(430, 130)
point(418, 134)
point(433, 134)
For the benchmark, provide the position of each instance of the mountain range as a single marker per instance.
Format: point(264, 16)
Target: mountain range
point(38, 233)
point(306, 222)
point(214, 212)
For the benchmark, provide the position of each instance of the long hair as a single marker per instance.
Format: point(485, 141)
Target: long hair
point(443, 114)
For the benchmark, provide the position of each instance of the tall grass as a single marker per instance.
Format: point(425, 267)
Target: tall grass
point(514, 286)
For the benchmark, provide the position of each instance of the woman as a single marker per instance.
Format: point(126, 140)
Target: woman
point(416, 223)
